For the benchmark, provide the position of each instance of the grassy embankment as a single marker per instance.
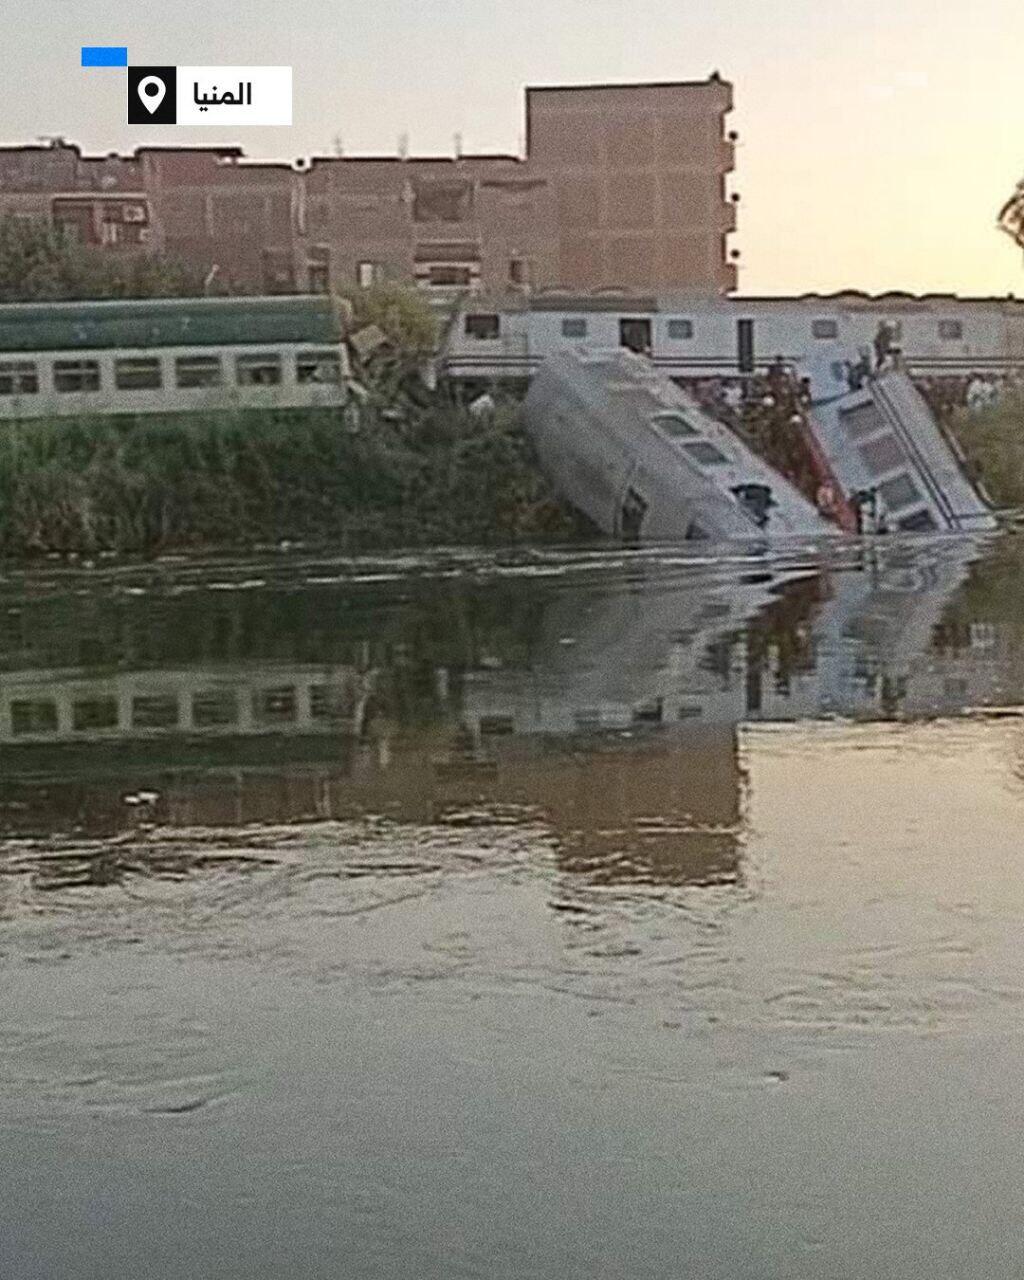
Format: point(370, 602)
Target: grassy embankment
point(993, 443)
point(149, 484)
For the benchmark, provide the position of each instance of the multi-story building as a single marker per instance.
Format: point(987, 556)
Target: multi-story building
point(621, 186)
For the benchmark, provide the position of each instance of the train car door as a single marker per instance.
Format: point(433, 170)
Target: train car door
point(745, 345)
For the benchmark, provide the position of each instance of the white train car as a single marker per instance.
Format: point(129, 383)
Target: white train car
point(689, 337)
point(175, 355)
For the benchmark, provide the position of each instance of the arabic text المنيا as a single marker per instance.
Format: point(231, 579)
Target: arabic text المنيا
point(207, 100)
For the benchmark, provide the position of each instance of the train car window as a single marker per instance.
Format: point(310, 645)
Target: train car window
point(94, 713)
point(18, 378)
point(680, 330)
point(574, 327)
point(705, 453)
point(275, 705)
point(483, 326)
point(318, 366)
point(213, 707)
point(674, 424)
point(38, 715)
point(919, 522)
point(331, 702)
point(635, 334)
point(824, 329)
point(138, 373)
point(76, 375)
point(155, 711)
point(262, 369)
point(899, 492)
point(198, 371)
point(951, 330)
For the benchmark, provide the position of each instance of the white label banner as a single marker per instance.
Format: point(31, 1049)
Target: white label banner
point(229, 96)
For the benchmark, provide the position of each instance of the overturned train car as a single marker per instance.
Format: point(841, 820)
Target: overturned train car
point(639, 458)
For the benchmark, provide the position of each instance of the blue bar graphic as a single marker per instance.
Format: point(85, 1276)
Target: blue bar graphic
point(104, 55)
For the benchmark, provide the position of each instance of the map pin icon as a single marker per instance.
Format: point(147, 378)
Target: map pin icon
point(151, 91)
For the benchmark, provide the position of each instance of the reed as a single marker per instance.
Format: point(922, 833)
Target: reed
point(151, 483)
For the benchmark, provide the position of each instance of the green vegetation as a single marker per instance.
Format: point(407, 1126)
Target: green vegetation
point(41, 263)
point(151, 483)
point(400, 466)
point(401, 313)
point(992, 441)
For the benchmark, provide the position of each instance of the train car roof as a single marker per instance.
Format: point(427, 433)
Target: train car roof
point(168, 322)
point(554, 299)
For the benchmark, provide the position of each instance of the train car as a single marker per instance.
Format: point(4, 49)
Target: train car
point(634, 453)
point(690, 337)
point(175, 355)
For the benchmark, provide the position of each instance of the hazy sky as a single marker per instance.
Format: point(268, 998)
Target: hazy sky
point(877, 139)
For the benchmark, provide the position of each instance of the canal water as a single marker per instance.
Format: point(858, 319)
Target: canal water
point(557, 915)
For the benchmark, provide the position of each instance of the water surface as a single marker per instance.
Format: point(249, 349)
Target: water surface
point(544, 915)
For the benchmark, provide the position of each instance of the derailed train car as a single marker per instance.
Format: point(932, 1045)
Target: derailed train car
point(637, 455)
point(639, 458)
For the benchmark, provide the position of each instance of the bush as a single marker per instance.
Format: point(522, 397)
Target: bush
point(153, 482)
point(992, 441)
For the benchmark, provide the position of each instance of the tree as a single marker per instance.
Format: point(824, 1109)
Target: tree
point(40, 262)
point(1011, 216)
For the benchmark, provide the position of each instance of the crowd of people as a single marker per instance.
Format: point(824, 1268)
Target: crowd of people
point(769, 412)
point(973, 392)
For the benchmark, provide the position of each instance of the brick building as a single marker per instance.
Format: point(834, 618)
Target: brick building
point(621, 186)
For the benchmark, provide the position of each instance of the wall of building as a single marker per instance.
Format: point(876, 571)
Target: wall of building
point(638, 178)
point(621, 185)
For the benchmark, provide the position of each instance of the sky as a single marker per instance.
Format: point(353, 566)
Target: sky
point(877, 140)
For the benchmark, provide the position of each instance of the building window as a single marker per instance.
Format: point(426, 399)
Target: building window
point(518, 271)
point(278, 271)
point(449, 277)
point(446, 200)
point(35, 716)
point(484, 326)
point(680, 330)
point(318, 269)
point(574, 327)
point(368, 274)
point(824, 329)
point(94, 713)
point(155, 711)
point(198, 371)
point(951, 330)
point(137, 374)
point(76, 375)
point(318, 367)
point(18, 378)
point(262, 369)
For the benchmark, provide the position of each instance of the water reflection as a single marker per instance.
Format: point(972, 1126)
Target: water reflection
point(605, 702)
point(349, 912)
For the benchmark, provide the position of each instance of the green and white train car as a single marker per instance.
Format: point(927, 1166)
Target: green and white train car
point(175, 355)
